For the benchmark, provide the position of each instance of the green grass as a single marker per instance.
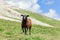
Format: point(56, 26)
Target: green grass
point(11, 30)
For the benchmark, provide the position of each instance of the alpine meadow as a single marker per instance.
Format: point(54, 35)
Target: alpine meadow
point(43, 27)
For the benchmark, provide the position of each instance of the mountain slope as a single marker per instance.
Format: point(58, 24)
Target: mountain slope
point(7, 12)
point(41, 18)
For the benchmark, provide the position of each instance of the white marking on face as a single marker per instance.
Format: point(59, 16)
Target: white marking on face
point(24, 17)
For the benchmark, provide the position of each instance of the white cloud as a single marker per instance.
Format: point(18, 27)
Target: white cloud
point(26, 4)
point(51, 13)
point(57, 19)
point(48, 2)
point(10, 2)
point(36, 8)
point(34, 1)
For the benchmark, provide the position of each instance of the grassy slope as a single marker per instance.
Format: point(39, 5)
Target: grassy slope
point(40, 17)
point(12, 31)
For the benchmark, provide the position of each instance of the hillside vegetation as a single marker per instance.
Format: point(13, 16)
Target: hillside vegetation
point(10, 25)
point(10, 30)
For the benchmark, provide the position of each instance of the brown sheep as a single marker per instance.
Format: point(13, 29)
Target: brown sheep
point(26, 24)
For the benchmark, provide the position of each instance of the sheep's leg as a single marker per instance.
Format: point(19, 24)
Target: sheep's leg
point(29, 30)
point(22, 28)
point(25, 31)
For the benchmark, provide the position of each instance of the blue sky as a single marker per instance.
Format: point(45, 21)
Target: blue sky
point(50, 8)
point(54, 4)
point(45, 7)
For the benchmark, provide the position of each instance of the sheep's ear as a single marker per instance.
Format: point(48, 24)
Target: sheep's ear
point(21, 15)
point(27, 15)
